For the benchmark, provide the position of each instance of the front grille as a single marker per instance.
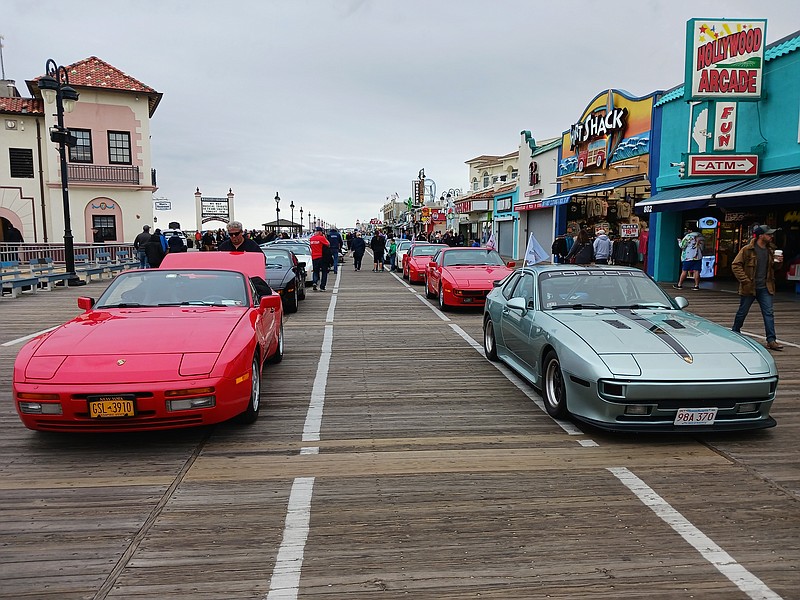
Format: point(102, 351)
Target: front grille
point(135, 423)
point(471, 293)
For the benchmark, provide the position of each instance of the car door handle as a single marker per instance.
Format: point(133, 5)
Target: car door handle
point(506, 311)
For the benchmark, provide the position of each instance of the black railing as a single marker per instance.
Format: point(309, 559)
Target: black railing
point(153, 177)
point(103, 174)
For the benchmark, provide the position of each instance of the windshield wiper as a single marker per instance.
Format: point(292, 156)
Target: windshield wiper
point(274, 266)
point(577, 306)
point(123, 305)
point(192, 303)
point(644, 305)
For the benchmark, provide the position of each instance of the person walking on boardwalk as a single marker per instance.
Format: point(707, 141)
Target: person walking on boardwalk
point(582, 250)
point(378, 245)
point(336, 242)
point(691, 246)
point(602, 248)
point(754, 267)
point(139, 242)
point(154, 250)
point(358, 246)
point(318, 243)
point(237, 241)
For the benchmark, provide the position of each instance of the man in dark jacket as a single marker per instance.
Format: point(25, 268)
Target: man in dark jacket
point(358, 246)
point(237, 241)
point(378, 245)
point(754, 267)
point(139, 243)
point(175, 243)
point(335, 239)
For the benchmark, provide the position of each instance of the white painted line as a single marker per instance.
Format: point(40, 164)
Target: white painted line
point(309, 450)
point(517, 381)
point(28, 337)
point(722, 561)
point(588, 443)
point(331, 308)
point(314, 414)
point(338, 281)
point(285, 581)
point(763, 337)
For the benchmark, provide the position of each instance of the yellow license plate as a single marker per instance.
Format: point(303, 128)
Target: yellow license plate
point(112, 406)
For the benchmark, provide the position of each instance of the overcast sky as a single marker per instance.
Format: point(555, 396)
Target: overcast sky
point(337, 104)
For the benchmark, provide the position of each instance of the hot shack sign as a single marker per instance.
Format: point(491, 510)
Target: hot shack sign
point(724, 59)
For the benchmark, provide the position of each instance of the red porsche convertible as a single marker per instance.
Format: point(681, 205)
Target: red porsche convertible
point(416, 260)
point(177, 346)
point(464, 276)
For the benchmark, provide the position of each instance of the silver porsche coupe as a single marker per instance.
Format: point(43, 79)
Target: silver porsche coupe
point(607, 346)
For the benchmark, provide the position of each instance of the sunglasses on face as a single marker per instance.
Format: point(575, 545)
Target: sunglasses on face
point(233, 233)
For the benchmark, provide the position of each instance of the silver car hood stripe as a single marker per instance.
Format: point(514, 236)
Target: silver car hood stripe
point(656, 330)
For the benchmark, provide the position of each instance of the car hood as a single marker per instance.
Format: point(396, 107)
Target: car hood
point(469, 276)
point(151, 346)
point(659, 340)
point(279, 278)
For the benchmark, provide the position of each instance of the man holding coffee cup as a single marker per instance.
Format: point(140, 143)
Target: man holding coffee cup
point(754, 267)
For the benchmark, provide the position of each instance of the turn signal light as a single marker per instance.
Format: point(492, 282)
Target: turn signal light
point(188, 392)
point(32, 396)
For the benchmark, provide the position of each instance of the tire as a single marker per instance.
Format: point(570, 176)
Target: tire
point(301, 290)
point(442, 306)
point(428, 293)
point(554, 392)
point(250, 414)
point(489, 341)
point(291, 303)
point(278, 356)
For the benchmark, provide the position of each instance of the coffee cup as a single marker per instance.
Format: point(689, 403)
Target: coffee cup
point(778, 255)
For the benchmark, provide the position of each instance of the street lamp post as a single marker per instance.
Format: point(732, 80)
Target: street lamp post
point(277, 212)
point(301, 219)
point(291, 207)
point(55, 87)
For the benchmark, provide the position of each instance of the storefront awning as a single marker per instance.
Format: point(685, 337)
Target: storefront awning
point(771, 189)
point(780, 189)
point(565, 197)
point(685, 198)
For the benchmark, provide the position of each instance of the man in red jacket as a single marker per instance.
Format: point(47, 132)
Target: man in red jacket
point(318, 241)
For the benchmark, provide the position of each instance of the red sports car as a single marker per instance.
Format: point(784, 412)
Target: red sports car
point(177, 346)
point(416, 260)
point(463, 276)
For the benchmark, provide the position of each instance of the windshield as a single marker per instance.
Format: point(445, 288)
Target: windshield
point(278, 259)
point(423, 250)
point(296, 248)
point(477, 257)
point(600, 289)
point(403, 245)
point(155, 287)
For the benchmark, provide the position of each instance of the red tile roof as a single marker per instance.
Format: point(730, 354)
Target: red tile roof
point(95, 73)
point(23, 106)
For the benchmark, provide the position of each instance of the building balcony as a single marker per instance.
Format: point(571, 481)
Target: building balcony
point(103, 174)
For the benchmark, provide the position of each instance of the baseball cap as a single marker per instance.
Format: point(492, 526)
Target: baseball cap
point(319, 229)
point(601, 232)
point(146, 228)
point(764, 230)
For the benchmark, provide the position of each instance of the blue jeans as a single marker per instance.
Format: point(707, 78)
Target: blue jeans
point(143, 260)
point(765, 302)
point(335, 259)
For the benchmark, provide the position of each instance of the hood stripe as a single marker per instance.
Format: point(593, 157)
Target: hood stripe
point(663, 335)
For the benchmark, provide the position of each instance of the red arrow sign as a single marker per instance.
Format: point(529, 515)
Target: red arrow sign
point(728, 165)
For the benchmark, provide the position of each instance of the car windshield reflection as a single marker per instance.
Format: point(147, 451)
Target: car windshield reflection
point(471, 258)
point(618, 290)
point(155, 287)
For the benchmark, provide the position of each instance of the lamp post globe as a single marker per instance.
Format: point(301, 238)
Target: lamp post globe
point(291, 207)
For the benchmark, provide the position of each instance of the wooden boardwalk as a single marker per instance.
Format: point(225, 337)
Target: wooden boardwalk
point(435, 476)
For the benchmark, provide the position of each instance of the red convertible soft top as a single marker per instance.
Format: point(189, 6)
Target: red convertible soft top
point(252, 264)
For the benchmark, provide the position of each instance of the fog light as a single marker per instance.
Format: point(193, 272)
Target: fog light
point(191, 403)
point(40, 408)
point(637, 409)
point(747, 407)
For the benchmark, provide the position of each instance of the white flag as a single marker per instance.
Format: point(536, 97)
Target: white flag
point(490, 243)
point(534, 253)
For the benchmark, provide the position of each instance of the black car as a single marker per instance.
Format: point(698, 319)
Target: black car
point(286, 275)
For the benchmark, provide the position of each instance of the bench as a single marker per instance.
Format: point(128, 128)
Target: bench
point(13, 280)
point(45, 270)
point(103, 259)
point(124, 258)
point(82, 265)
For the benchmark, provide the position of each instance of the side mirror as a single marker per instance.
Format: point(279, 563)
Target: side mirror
point(496, 283)
point(432, 264)
point(271, 302)
point(681, 302)
point(302, 264)
point(85, 303)
point(511, 264)
point(518, 304)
